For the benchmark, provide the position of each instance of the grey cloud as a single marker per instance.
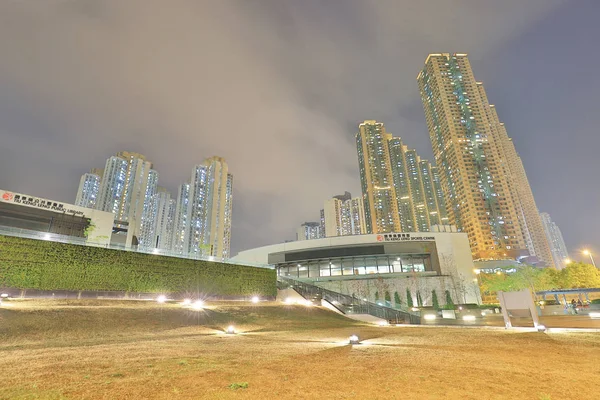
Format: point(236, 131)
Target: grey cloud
point(275, 87)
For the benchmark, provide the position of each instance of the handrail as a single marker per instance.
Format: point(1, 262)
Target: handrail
point(350, 304)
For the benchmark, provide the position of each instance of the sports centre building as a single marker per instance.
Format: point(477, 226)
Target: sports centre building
point(376, 265)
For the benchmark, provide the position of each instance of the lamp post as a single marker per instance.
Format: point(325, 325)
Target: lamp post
point(588, 253)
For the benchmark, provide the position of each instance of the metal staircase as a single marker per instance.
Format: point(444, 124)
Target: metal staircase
point(348, 304)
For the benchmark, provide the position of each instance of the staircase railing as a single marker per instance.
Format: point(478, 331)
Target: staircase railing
point(349, 304)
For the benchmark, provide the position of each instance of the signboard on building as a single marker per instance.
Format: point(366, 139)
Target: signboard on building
point(101, 221)
point(404, 237)
point(36, 202)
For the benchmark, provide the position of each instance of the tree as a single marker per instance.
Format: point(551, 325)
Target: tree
point(434, 300)
point(388, 298)
point(376, 296)
point(91, 227)
point(449, 302)
point(397, 300)
point(579, 275)
point(419, 299)
point(525, 277)
point(409, 299)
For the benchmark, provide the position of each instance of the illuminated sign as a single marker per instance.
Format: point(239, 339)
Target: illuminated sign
point(39, 203)
point(403, 237)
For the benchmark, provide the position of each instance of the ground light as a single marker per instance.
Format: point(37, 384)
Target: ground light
point(541, 328)
point(187, 302)
point(230, 330)
point(353, 339)
point(161, 299)
point(198, 305)
point(255, 299)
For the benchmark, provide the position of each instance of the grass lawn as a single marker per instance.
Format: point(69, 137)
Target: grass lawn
point(95, 349)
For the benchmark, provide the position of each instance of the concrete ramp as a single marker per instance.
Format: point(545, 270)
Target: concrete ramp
point(289, 294)
point(370, 319)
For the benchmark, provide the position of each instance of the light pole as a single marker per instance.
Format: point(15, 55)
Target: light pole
point(588, 253)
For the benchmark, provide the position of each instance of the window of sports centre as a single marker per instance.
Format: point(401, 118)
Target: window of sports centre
point(359, 265)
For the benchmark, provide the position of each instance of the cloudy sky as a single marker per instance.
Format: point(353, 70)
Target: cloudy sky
point(277, 87)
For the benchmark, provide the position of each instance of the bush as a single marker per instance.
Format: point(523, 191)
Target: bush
point(45, 265)
point(397, 300)
point(388, 298)
point(409, 299)
point(434, 300)
point(449, 303)
point(596, 301)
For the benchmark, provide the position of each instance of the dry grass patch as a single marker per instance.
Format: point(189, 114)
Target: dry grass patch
point(132, 350)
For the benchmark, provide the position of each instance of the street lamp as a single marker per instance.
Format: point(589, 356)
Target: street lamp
point(588, 253)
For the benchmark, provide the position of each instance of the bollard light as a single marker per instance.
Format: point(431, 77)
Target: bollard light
point(187, 302)
point(230, 330)
point(255, 299)
point(541, 328)
point(353, 339)
point(161, 299)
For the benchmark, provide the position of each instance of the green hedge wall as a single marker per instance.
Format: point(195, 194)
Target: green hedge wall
point(45, 265)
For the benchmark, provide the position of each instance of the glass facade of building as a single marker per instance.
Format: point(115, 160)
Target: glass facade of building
point(356, 265)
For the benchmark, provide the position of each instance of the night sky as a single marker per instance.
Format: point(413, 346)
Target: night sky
point(278, 88)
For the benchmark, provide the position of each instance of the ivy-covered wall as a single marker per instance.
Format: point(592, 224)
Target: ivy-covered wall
point(45, 265)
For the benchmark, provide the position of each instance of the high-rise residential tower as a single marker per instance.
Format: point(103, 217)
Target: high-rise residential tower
point(309, 231)
point(401, 192)
point(344, 215)
point(127, 189)
point(209, 209)
point(89, 189)
point(164, 217)
point(485, 188)
point(181, 219)
point(555, 238)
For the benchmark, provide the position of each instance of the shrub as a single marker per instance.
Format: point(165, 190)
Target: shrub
point(397, 300)
point(388, 298)
point(449, 303)
point(434, 300)
point(419, 299)
point(409, 299)
point(45, 265)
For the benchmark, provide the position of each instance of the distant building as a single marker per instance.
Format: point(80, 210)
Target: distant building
point(127, 190)
point(485, 187)
point(89, 189)
point(181, 221)
point(556, 241)
point(309, 231)
point(401, 191)
point(344, 215)
point(164, 215)
point(209, 209)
